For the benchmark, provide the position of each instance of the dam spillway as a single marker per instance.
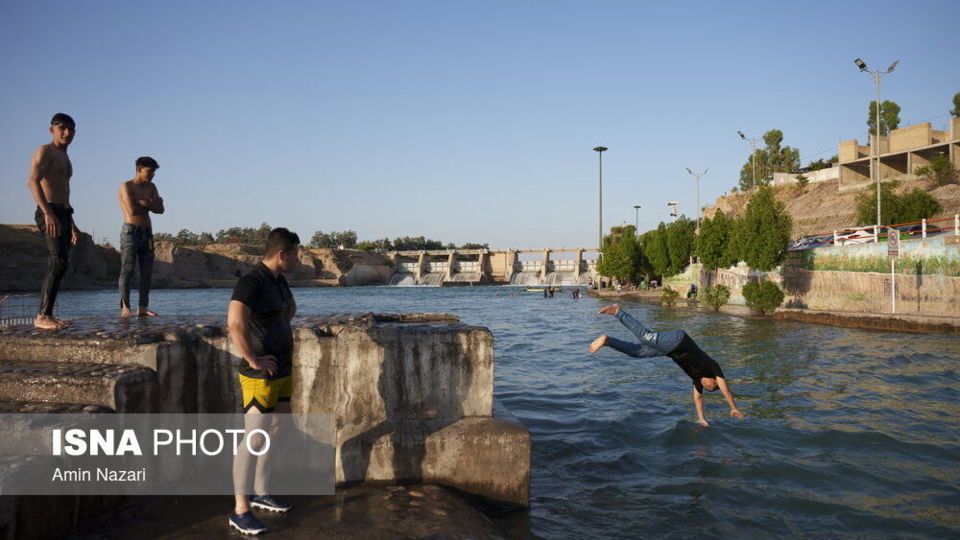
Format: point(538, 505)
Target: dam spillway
point(557, 267)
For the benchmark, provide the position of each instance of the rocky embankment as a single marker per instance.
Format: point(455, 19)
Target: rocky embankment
point(23, 262)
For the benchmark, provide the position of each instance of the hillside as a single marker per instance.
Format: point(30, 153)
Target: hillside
point(822, 207)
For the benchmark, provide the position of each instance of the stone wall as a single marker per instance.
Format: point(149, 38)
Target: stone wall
point(917, 291)
point(412, 395)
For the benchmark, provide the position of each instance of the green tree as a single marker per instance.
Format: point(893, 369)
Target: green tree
point(680, 243)
point(915, 205)
point(655, 247)
point(773, 158)
point(715, 296)
point(802, 181)
point(821, 164)
point(766, 230)
point(956, 106)
point(713, 242)
point(322, 240)
point(939, 170)
point(895, 208)
point(763, 297)
point(621, 255)
point(889, 117)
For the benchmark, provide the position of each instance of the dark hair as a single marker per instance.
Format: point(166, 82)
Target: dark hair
point(280, 239)
point(62, 118)
point(148, 162)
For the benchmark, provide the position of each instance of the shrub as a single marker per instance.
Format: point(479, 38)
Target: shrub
point(763, 297)
point(802, 181)
point(715, 296)
point(940, 170)
point(668, 296)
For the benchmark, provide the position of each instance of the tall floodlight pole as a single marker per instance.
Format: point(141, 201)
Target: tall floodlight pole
point(697, 176)
point(636, 220)
point(876, 142)
point(600, 150)
point(753, 151)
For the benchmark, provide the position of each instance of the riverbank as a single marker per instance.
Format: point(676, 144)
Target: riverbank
point(892, 322)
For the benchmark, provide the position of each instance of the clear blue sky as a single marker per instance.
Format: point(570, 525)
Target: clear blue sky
point(459, 121)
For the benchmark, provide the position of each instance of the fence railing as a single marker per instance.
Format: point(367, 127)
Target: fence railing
point(873, 233)
point(21, 309)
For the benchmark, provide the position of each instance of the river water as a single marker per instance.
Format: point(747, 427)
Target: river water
point(849, 433)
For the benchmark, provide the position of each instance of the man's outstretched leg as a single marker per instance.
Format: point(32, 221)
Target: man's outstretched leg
point(598, 343)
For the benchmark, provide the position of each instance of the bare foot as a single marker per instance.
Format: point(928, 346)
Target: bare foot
point(612, 309)
point(144, 312)
point(46, 322)
point(598, 343)
point(125, 312)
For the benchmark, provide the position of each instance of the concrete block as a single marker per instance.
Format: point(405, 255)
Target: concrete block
point(121, 388)
point(480, 456)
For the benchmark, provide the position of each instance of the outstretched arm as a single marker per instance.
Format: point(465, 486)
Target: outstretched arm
point(698, 403)
point(728, 395)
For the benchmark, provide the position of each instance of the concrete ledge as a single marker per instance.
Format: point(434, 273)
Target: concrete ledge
point(121, 388)
point(481, 456)
point(411, 394)
point(921, 324)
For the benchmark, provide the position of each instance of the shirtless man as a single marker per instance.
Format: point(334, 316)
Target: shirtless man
point(138, 197)
point(49, 183)
point(703, 371)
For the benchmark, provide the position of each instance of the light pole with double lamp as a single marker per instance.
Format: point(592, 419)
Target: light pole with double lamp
point(697, 176)
point(876, 141)
point(753, 150)
point(600, 150)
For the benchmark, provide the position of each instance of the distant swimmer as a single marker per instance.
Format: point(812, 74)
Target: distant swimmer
point(49, 182)
point(138, 197)
point(676, 344)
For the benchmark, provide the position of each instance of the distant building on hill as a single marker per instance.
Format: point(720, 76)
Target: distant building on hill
point(901, 152)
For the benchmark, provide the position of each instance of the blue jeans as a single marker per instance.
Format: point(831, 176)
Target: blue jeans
point(136, 246)
point(651, 343)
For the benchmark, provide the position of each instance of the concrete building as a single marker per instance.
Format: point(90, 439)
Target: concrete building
point(823, 175)
point(901, 152)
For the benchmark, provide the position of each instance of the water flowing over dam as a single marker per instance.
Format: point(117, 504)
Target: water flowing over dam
point(452, 268)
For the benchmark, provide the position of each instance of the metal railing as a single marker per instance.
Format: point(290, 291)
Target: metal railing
point(875, 234)
point(21, 309)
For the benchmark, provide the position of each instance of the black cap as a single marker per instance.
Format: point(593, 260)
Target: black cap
point(148, 162)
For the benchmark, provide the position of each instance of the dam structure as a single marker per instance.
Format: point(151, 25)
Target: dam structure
point(527, 267)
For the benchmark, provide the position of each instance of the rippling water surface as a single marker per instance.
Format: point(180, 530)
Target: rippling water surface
point(848, 432)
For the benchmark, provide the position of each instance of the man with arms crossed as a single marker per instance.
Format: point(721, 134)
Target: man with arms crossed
point(259, 323)
point(703, 370)
point(138, 197)
point(49, 182)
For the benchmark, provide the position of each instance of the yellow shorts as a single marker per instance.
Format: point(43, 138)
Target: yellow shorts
point(265, 394)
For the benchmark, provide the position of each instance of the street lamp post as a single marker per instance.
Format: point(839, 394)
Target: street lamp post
point(600, 150)
point(753, 151)
point(876, 142)
point(697, 176)
point(636, 218)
